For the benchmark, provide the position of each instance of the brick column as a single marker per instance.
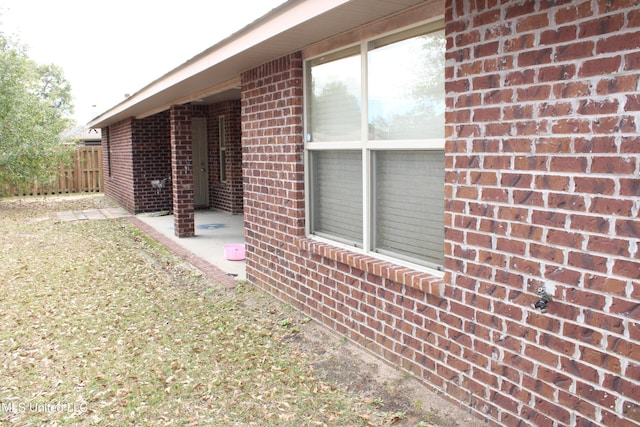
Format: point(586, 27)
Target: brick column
point(181, 171)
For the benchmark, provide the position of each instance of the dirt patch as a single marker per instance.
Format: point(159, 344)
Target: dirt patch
point(344, 364)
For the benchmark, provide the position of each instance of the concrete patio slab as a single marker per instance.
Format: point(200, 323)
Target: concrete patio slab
point(84, 215)
point(214, 230)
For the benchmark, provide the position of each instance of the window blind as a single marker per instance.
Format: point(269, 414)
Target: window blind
point(409, 204)
point(337, 197)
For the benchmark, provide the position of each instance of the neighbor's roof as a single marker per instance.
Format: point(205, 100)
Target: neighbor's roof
point(83, 133)
point(216, 71)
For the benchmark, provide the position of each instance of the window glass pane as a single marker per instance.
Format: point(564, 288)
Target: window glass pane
point(335, 100)
point(336, 184)
point(409, 205)
point(406, 89)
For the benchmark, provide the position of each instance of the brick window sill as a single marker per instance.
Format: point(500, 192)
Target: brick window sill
point(423, 281)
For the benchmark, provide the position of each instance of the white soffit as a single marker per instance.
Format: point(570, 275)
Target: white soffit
point(286, 29)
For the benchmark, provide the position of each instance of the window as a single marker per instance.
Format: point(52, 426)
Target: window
point(375, 146)
point(108, 148)
point(222, 148)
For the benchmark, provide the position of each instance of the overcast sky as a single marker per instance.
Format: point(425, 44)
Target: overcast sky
point(108, 48)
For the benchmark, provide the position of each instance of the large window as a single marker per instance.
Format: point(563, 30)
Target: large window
point(375, 146)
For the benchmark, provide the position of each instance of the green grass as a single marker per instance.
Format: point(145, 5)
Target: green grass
point(101, 326)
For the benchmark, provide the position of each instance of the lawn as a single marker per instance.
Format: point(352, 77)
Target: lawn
point(99, 325)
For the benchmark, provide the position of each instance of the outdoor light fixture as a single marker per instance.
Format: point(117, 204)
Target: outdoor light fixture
point(545, 299)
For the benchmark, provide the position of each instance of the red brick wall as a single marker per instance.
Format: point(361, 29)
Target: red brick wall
point(273, 173)
point(542, 158)
point(144, 143)
point(152, 154)
point(542, 188)
point(226, 196)
point(118, 158)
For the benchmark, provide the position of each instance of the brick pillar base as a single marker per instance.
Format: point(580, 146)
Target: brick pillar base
point(181, 171)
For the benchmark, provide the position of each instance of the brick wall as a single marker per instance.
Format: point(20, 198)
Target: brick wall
point(140, 152)
point(542, 188)
point(118, 160)
point(542, 158)
point(152, 154)
point(272, 167)
point(226, 196)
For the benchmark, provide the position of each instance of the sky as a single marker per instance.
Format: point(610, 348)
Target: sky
point(109, 48)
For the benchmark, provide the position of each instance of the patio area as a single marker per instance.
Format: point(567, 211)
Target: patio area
point(214, 230)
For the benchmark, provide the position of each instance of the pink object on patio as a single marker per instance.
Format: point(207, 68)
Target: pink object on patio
point(234, 252)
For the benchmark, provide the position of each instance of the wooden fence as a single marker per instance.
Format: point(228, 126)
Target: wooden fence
point(84, 176)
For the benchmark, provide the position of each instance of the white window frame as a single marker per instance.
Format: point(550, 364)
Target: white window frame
point(367, 147)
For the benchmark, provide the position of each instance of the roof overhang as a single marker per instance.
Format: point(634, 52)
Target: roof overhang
point(215, 73)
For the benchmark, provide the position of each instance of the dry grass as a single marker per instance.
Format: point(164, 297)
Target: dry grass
point(101, 326)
